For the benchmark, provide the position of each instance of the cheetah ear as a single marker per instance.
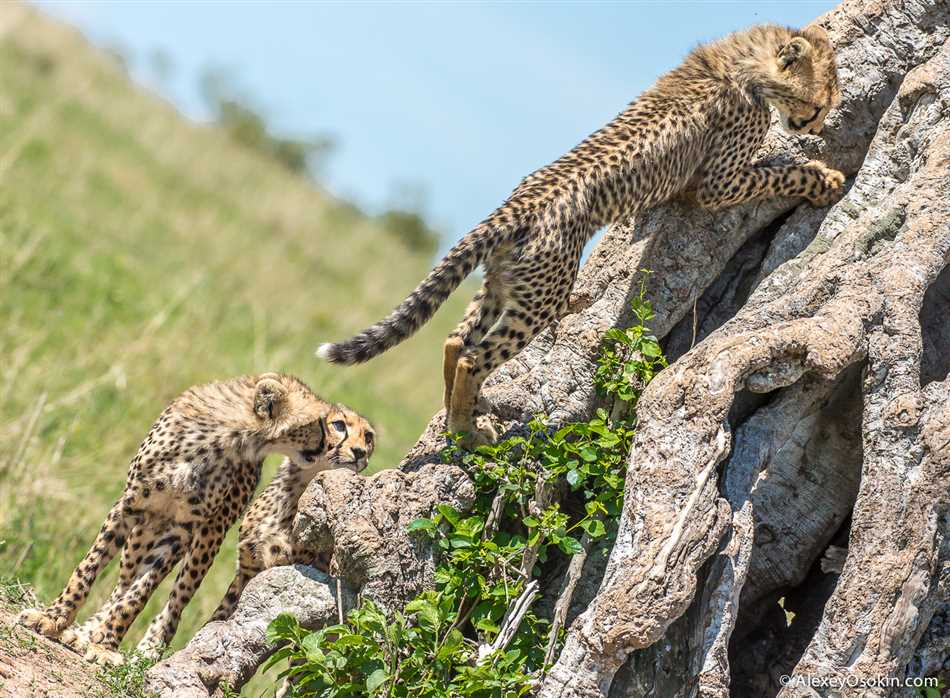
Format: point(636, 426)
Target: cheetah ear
point(269, 396)
point(793, 52)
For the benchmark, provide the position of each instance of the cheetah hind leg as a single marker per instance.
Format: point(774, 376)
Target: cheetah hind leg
point(163, 541)
point(461, 417)
point(197, 562)
point(57, 617)
point(482, 312)
point(76, 637)
point(451, 351)
point(507, 336)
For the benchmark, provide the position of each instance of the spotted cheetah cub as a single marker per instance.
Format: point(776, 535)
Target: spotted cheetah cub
point(695, 133)
point(191, 479)
point(266, 537)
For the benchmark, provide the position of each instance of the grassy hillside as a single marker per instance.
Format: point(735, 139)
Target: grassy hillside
point(140, 254)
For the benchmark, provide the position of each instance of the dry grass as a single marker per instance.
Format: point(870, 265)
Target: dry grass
point(140, 254)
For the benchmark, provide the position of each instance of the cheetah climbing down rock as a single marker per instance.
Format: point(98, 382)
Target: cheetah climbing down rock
point(694, 134)
point(191, 479)
point(266, 537)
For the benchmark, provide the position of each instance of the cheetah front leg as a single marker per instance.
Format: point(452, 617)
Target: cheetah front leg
point(815, 181)
point(247, 569)
point(54, 619)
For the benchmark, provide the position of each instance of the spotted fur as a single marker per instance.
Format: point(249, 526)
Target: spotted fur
point(266, 537)
point(694, 133)
point(191, 479)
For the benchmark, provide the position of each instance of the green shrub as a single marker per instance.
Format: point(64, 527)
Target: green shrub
point(431, 647)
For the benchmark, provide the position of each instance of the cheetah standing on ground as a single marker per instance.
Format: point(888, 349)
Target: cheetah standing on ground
point(266, 538)
point(693, 133)
point(191, 479)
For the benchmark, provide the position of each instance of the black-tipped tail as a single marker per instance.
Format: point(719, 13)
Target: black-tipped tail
point(419, 307)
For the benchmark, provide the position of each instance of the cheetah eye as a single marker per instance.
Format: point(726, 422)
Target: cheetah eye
point(340, 426)
point(369, 438)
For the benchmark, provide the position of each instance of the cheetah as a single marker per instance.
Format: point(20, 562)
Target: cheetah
point(266, 538)
point(191, 479)
point(692, 135)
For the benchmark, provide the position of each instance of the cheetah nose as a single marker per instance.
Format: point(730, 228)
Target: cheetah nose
point(358, 453)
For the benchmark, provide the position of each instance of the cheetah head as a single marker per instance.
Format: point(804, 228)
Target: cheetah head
point(351, 439)
point(805, 86)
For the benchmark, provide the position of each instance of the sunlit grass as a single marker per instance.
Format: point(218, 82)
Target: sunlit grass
point(140, 254)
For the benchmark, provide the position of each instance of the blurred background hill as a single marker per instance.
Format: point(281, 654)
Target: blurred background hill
point(140, 254)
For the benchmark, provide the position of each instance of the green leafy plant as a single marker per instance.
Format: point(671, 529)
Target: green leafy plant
point(631, 356)
point(933, 691)
point(127, 679)
point(441, 643)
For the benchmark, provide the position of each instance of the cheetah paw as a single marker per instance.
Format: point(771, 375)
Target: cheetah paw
point(102, 655)
point(150, 648)
point(830, 187)
point(41, 622)
point(75, 639)
point(481, 435)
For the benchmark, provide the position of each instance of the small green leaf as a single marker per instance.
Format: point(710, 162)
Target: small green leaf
point(375, 680)
point(449, 513)
point(422, 525)
point(650, 348)
point(283, 627)
point(573, 477)
point(588, 454)
point(569, 545)
point(278, 656)
point(595, 528)
point(427, 615)
point(486, 625)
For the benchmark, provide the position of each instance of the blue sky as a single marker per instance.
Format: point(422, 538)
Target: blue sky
point(460, 99)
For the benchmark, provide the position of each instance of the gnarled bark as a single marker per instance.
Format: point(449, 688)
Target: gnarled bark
point(856, 292)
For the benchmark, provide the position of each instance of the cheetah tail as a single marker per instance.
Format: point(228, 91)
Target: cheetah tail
point(419, 306)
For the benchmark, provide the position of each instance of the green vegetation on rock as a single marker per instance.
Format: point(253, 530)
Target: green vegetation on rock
point(439, 645)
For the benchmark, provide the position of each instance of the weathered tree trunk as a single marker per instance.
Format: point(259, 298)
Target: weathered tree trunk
point(853, 297)
point(814, 409)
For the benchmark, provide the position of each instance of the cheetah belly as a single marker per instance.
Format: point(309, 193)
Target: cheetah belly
point(185, 492)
